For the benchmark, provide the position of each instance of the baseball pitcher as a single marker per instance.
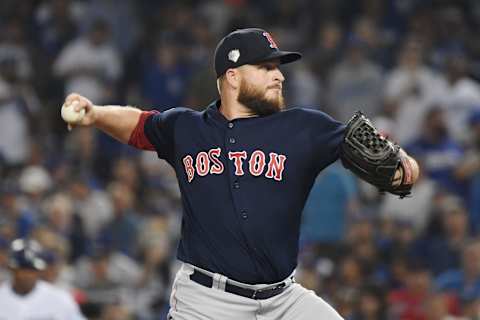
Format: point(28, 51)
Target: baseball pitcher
point(245, 167)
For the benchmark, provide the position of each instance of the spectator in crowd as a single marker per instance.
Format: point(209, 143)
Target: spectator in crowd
point(367, 30)
point(351, 275)
point(156, 250)
point(408, 302)
point(438, 152)
point(93, 206)
point(90, 64)
point(201, 88)
point(121, 232)
point(56, 26)
point(323, 55)
point(462, 95)
point(55, 254)
point(58, 211)
point(355, 83)
point(17, 70)
point(440, 306)
point(305, 90)
point(125, 171)
point(349, 282)
point(412, 87)
point(464, 281)
point(15, 61)
point(371, 304)
point(34, 182)
point(14, 128)
point(61, 225)
point(415, 210)
point(330, 204)
point(80, 153)
point(25, 295)
point(165, 77)
point(14, 220)
point(121, 17)
point(400, 243)
point(107, 277)
point(452, 32)
point(468, 170)
point(442, 252)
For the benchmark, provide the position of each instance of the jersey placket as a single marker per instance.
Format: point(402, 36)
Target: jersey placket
point(235, 172)
point(233, 144)
point(239, 194)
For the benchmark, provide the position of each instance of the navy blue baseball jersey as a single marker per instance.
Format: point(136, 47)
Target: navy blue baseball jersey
point(244, 184)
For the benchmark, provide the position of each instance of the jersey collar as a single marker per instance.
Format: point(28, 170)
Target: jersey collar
point(214, 112)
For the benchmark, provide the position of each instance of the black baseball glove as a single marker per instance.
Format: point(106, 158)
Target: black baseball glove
point(374, 158)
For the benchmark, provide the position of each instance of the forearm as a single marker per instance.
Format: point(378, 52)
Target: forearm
point(117, 121)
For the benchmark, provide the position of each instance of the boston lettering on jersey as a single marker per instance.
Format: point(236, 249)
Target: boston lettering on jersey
point(209, 163)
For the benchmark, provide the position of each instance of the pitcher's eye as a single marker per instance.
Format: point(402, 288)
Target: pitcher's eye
point(267, 66)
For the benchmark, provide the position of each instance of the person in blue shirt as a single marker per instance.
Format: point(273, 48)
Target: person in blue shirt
point(245, 167)
point(164, 78)
point(439, 153)
point(326, 211)
point(468, 171)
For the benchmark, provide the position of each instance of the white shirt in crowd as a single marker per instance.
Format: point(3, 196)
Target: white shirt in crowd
point(45, 301)
point(461, 99)
point(412, 106)
point(416, 210)
point(102, 62)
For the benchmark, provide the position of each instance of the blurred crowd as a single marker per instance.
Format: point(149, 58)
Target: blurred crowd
point(109, 216)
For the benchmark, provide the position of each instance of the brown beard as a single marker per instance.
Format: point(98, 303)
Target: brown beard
point(255, 100)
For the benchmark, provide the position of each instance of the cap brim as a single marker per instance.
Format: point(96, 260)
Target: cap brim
point(284, 56)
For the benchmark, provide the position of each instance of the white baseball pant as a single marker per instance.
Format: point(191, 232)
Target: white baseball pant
point(192, 301)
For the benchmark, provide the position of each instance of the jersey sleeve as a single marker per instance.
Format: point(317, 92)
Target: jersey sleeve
point(159, 129)
point(138, 139)
point(327, 135)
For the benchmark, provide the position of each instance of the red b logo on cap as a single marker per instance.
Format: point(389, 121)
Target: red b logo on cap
point(273, 45)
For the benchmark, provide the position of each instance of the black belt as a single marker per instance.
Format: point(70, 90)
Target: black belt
point(260, 294)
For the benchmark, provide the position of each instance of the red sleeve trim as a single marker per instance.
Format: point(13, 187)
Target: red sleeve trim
point(138, 139)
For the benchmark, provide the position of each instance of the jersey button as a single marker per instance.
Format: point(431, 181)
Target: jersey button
point(230, 125)
point(232, 140)
point(236, 185)
point(244, 214)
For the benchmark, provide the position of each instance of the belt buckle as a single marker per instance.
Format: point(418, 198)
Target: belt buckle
point(278, 286)
point(257, 291)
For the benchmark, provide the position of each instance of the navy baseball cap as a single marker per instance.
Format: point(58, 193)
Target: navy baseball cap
point(248, 46)
point(26, 254)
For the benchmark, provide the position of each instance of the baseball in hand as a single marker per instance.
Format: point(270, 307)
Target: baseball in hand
point(413, 170)
point(70, 115)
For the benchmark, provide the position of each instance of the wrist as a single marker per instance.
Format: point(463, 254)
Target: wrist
point(95, 113)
